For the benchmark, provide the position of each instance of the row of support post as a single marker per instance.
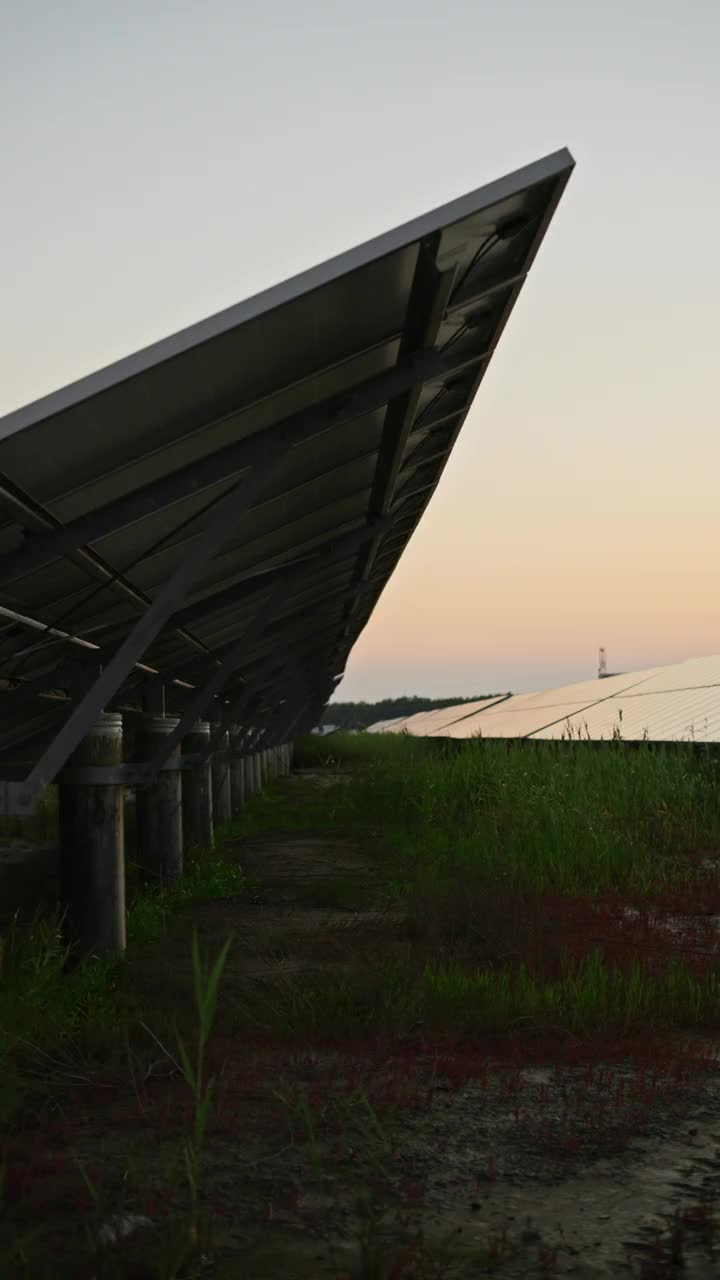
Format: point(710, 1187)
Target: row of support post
point(178, 810)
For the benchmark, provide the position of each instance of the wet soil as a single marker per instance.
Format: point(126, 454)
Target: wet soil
point(376, 1158)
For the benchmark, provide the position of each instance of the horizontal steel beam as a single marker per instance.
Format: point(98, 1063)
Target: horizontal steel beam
point(96, 654)
point(322, 557)
point(202, 697)
point(35, 515)
point(25, 697)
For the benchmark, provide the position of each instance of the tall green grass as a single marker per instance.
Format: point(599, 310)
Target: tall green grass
point(589, 997)
point(348, 750)
point(206, 876)
point(52, 1018)
point(468, 839)
point(548, 816)
point(496, 856)
point(53, 1014)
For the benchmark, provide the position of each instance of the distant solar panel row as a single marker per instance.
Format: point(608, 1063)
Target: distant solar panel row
point(676, 703)
point(204, 528)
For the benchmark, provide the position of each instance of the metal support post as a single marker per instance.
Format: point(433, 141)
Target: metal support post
point(92, 854)
point(222, 806)
point(197, 809)
point(259, 772)
point(249, 788)
point(159, 806)
point(237, 772)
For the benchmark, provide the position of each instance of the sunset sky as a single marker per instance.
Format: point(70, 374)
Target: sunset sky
point(163, 161)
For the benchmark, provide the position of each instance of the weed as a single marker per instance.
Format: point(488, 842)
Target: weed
point(52, 1019)
point(206, 876)
point(206, 985)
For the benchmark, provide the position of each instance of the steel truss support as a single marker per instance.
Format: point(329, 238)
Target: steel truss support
point(231, 713)
point(217, 532)
point(233, 658)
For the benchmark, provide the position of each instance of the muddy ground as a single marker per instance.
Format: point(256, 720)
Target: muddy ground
point(375, 1158)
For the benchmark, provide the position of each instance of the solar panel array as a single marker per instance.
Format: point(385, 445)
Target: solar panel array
point(425, 723)
point(676, 703)
point(205, 527)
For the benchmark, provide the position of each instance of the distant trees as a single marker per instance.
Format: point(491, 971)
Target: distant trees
point(358, 715)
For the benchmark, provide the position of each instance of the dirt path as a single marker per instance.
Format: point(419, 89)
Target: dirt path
point(452, 1168)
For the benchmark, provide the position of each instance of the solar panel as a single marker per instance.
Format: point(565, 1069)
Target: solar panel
point(206, 526)
point(526, 714)
point(426, 723)
point(680, 702)
point(512, 719)
point(696, 673)
point(585, 692)
point(684, 715)
point(387, 726)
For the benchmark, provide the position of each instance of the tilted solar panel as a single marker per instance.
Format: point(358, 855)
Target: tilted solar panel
point(677, 703)
point(205, 527)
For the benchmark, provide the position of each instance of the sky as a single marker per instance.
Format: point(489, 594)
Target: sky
point(163, 161)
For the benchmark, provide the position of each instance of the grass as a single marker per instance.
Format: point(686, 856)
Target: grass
point(539, 887)
point(589, 996)
point(174, 1255)
point(59, 1026)
point(51, 1020)
point(348, 750)
point(52, 1012)
point(547, 819)
point(540, 895)
point(550, 819)
point(206, 877)
point(206, 985)
point(563, 885)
